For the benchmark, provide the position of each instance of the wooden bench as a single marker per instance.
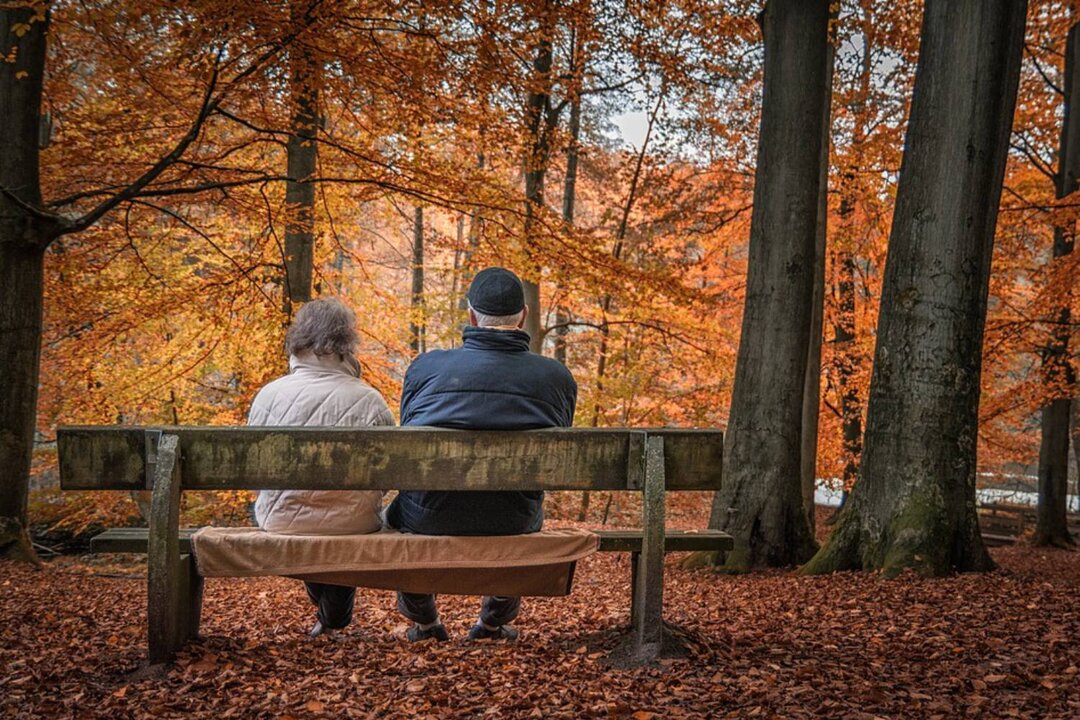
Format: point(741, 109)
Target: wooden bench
point(167, 460)
point(1003, 523)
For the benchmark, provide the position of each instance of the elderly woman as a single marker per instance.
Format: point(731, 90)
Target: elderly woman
point(322, 388)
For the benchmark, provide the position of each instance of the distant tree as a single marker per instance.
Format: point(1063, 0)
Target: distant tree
point(302, 151)
point(416, 326)
point(1057, 373)
point(914, 503)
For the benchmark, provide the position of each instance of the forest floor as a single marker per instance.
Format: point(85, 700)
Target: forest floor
point(772, 644)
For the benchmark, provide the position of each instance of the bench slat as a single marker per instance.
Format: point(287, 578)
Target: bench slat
point(133, 540)
point(255, 458)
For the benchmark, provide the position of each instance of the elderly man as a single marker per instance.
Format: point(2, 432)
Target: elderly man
point(492, 382)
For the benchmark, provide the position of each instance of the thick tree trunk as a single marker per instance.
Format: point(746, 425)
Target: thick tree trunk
point(914, 504)
point(22, 279)
point(416, 327)
point(23, 239)
point(1057, 376)
point(760, 502)
point(302, 156)
point(812, 383)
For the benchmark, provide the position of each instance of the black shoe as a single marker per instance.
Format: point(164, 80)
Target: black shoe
point(418, 634)
point(503, 632)
point(320, 630)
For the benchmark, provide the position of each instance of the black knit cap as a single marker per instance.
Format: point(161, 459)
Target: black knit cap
point(497, 291)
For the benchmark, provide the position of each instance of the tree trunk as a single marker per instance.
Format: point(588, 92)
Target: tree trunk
point(760, 501)
point(562, 315)
point(23, 239)
point(914, 504)
point(847, 361)
point(812, 383)
point(1051, 527)
point(847, 364)
point(537, 113)
point(476, 228)
point(417, 326)
point(1076, 441)
point(302, 156)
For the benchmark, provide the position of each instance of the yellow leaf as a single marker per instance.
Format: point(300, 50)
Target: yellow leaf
point(21, 74)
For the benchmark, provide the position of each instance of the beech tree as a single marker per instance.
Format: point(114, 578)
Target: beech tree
point(302, 152)
point(1057, 374)
point(24, 235)
point(914, 503)
point(760, 502)
point(812, 383)
point(29, 225)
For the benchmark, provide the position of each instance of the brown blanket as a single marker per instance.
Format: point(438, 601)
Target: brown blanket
point(535, 564)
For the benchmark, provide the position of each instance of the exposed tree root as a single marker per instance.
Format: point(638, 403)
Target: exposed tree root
point(1057, 540)
point(700, 559)
point(15, 542)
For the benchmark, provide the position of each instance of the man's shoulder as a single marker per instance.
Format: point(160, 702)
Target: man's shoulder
point(553, 368)
point(432, 360)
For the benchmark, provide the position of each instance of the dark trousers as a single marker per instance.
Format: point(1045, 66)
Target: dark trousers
point(335, 603)
point(494, 610)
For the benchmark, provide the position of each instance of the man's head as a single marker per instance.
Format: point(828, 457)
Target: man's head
point(497, 300)
point(325, 327)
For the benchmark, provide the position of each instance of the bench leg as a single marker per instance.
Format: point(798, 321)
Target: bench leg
point(168, 579)
point(190, 601)
point(648, 595)
point(635, 599)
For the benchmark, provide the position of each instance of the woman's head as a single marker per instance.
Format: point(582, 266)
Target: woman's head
point(325, 327)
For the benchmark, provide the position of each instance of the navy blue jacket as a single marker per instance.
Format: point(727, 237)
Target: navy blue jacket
point(493, 382)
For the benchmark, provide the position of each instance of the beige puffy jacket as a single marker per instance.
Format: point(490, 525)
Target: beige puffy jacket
point(319, 391)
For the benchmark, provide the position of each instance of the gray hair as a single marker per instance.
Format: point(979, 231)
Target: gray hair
point(483, 320)
point(325, 326)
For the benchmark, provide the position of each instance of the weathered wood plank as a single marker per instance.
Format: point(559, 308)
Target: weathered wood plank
point(113, 458)
point(190, 597)
point(674, 540)
point(101, 458)
point(367, 458)
point(693, 459)
point(648, 620)
point(164, 581)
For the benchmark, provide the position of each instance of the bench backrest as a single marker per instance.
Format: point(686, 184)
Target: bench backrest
point(387, 458)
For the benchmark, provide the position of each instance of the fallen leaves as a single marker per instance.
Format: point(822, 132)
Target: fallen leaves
point(763, 645)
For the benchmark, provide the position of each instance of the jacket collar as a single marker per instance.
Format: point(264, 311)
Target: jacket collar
point(478, 338)
point(311, 362)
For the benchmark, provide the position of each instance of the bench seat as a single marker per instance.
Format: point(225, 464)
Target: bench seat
point(134, 540)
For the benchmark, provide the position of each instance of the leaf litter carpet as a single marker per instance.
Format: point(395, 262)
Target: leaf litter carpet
point(772, 644)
